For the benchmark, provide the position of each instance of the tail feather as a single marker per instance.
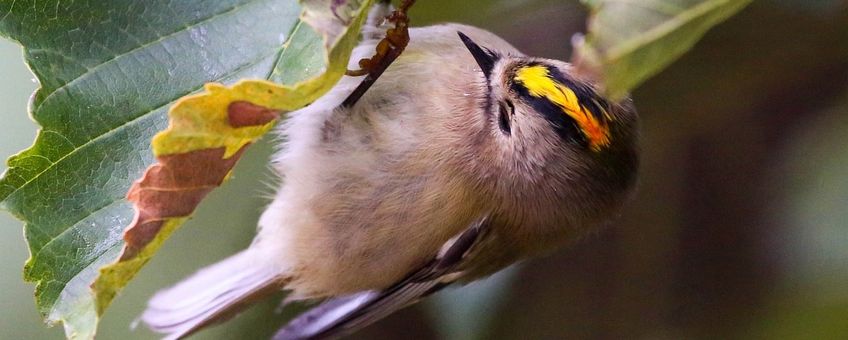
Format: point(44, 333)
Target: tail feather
point(213, 294)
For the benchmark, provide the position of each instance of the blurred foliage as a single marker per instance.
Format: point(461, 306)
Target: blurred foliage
point(738, 229)
point(628, 41)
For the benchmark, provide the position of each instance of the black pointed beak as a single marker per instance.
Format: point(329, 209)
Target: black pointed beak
point(484, 57)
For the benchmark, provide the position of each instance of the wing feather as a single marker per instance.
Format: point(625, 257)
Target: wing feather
point(344, 315)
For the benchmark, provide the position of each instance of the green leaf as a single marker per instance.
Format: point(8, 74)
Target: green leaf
point(109, 71)
point(208, 132)
point(629, 41)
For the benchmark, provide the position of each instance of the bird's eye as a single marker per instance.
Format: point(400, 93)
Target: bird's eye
point(505, 111)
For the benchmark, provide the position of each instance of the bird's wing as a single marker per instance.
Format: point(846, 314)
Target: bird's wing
point(344, 315)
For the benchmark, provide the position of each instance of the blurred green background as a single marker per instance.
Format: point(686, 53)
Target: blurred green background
point(739, 228)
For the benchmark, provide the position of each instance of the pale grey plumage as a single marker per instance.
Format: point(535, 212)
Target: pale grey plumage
point(373, 194)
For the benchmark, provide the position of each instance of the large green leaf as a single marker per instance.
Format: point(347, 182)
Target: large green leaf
point(108, 71)
point(629, 41)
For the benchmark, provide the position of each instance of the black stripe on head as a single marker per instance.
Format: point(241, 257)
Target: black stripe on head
point(586, 96)
point(565, 126)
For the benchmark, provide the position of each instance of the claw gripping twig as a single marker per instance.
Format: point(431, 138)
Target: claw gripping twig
point(388, 49)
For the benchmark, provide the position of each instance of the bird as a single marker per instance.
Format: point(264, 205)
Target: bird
point(464, 157)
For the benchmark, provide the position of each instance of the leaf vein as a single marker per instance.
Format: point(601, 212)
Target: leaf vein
point(125, 124)
point(73, 227)
point(38, 157)
point(283, 50)
point(87, 265)
point(11, 7)
point(89, 71)
point(667, 27)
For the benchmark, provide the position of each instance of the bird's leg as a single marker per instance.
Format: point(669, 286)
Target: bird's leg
point(388, 49)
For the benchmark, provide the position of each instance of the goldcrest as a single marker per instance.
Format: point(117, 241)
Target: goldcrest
point(464, 157)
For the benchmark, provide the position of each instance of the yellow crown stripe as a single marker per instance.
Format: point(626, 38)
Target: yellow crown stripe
point(540, 84)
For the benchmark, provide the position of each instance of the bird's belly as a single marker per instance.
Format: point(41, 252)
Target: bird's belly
point(368, 232)
point(358, 213)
